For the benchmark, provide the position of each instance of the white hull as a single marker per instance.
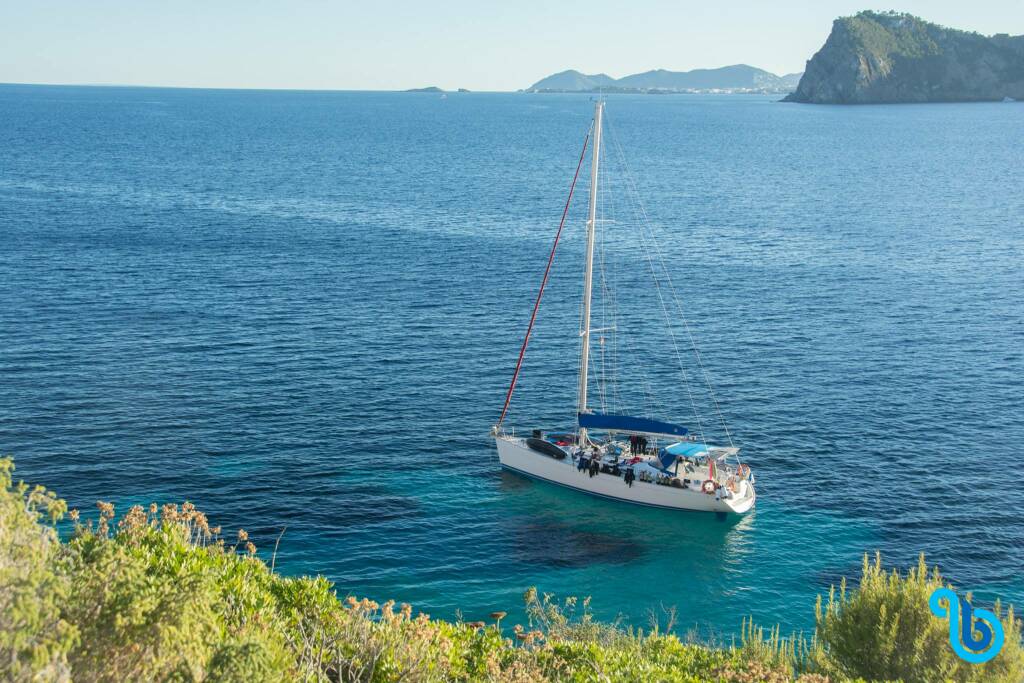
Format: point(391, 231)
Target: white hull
point(515, 455)
point(730, 483)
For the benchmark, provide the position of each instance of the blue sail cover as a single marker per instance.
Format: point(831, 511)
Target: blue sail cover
point(628, 423)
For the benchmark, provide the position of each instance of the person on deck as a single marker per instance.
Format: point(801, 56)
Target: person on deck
point(629, 477)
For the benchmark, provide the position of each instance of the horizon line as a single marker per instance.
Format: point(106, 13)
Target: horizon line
point(238, 87)
point(298, 89)
point(412, 91)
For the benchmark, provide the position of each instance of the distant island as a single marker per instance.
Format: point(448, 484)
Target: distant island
point(735, 78)
point(889, 57)
point(435, 89)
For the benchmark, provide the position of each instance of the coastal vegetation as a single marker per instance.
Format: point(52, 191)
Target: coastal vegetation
point(880, 57)
point(159, 594)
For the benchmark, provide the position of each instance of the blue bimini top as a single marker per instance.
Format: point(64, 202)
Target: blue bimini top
point(687, 448)
point(670, 454)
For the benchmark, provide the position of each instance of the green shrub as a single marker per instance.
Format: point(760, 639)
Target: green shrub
point(885, 631)
point(34, 636)
point(159, 595)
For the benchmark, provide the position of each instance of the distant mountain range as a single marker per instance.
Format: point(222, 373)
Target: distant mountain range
point(881, 57)
point(736, 78)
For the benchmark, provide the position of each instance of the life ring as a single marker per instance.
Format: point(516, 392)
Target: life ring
point(744, 471)
point(708, 487)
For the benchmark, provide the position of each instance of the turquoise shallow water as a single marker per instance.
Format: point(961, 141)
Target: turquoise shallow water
point(301, 310)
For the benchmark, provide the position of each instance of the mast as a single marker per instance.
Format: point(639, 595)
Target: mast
point(588, 272)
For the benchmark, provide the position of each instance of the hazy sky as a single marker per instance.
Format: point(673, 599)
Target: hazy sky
point(398, 44)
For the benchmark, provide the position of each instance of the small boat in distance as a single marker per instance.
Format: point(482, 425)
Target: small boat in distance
point(622, 457)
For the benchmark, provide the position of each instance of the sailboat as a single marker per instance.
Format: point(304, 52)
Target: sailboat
point(636, 459)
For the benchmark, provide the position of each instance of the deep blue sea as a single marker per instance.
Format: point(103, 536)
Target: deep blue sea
point(301, 310)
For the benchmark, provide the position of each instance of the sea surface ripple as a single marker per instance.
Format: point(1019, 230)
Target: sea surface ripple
point(300, 311)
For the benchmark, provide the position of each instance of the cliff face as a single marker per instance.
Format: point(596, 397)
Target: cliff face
point(888, 57)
